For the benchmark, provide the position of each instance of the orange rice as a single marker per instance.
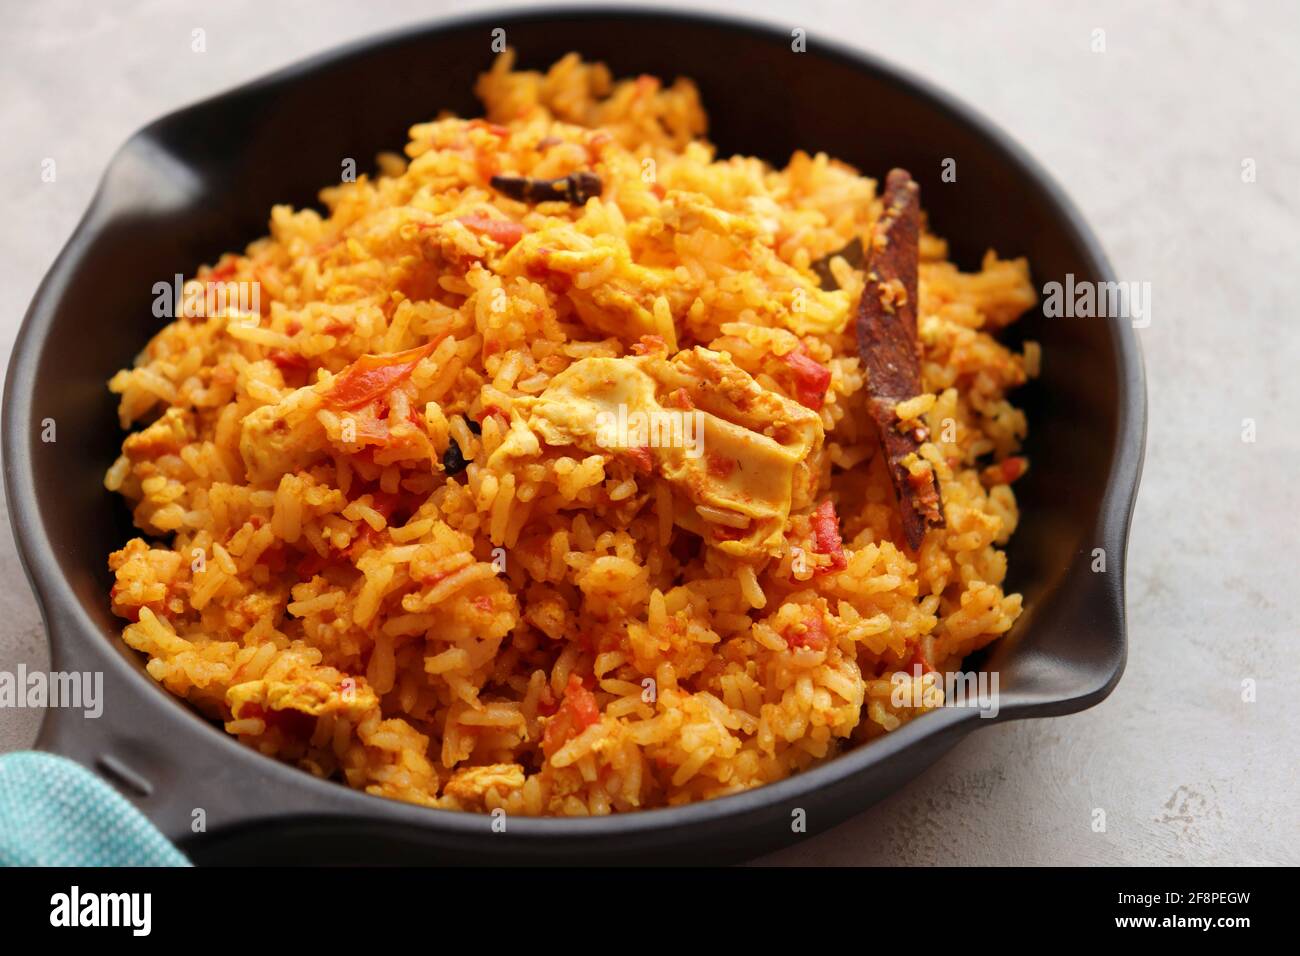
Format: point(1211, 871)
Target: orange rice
point(562, 627)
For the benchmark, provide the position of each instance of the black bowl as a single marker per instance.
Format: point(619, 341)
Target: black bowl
point(202, 180)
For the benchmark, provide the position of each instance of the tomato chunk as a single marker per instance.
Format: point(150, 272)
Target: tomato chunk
point(489, 411)
point(826, 535)
point(576, 713)
point(582, 703)
point(814, 635)
point(643, 460)
point(918, 660)
point(811, 379)
point(289, 362)
point(680, 398)
point(1006, 471)
point(505, 231)
point(374, 376)
point(648, 344)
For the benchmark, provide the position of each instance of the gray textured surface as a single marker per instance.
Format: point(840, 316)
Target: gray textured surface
point(1149, 138)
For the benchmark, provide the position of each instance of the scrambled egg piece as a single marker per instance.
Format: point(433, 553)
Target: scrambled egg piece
point(167, 436)
point(624, 303)
point(280, 439)
point(313, 695)
point(739, 455)
point(471, 784)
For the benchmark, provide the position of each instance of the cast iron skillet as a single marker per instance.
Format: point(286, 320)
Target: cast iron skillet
point(202, 180)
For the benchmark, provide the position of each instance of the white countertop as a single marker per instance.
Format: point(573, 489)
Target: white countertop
point(1148, 137)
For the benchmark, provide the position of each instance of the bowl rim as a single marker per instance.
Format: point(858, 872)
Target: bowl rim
point(66, 619)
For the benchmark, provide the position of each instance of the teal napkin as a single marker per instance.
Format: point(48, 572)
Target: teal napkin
point(54, 812)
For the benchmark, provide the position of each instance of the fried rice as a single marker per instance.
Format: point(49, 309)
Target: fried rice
point(381, 541)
